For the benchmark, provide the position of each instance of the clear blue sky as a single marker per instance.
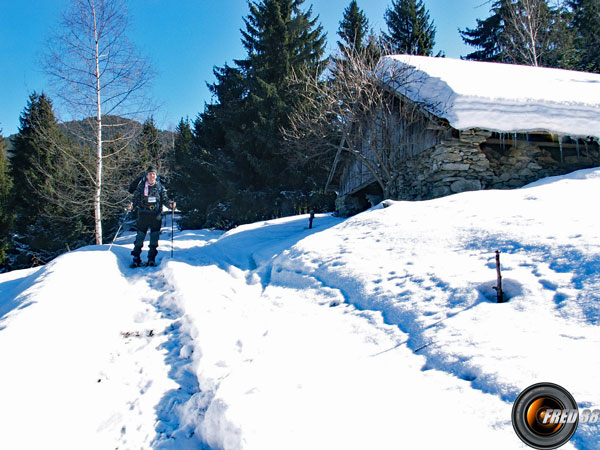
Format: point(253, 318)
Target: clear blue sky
point(184, 40)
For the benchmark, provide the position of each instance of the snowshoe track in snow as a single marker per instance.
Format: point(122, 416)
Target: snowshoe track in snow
point(177, 350)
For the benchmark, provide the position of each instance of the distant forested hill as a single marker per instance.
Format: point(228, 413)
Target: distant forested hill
point(79, 131)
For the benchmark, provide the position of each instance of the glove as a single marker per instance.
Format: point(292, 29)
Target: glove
point(172, 205)
point(129, 206)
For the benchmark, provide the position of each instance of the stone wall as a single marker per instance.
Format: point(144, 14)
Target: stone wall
point(475, 160)
point(454, 165)
point(470, 163)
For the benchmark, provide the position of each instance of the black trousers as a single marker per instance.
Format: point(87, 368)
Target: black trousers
point(147, 219)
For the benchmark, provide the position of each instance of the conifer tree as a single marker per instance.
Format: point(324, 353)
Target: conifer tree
point(561, 52)
point(183, 163)
point(6, 216)
point(43, 226)
point(184, 139)
point(238, 138)
point(487, 36)
point(410, 30)
point(279, 38)
point(32, 152)
point(586, 25)
point(356, 38)
point(199, 178)
point(353, 29)
point(150, 149)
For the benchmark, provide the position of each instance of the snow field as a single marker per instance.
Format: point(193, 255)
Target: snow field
point(378, 331)
point(440, 292)
point(282, 369)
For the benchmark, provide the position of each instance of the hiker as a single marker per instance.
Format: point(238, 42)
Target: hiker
point(149, 197)
point(136, 182)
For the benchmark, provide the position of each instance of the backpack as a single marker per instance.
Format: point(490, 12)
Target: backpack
point(135, 183)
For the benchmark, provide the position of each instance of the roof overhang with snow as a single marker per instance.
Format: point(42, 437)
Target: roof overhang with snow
point(498, 97)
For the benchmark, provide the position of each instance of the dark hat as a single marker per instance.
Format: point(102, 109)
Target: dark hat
point(151, 169)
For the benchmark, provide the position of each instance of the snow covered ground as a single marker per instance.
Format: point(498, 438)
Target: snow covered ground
point(380, 331)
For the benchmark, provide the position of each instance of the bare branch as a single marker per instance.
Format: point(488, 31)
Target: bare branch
point(527, 31)
point(356, 109)
point(96, 73)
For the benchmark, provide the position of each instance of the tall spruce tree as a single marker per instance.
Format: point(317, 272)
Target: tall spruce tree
point(561, 52)
point(586, 26)
point(357, 39)
point(353, 29)
point(186, 176)
point(238, 137)
point(150, 150)
point(37, 166)
point(6, 215)
point(279, 38)
point(410, 29)
point(32, 153)
point(487, 36)
point(184, 140)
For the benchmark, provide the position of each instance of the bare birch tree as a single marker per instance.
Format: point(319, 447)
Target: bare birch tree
point(356, 110)
point(98, 73)
point(527, 31)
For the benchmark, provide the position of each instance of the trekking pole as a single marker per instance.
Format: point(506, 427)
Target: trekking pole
point(172, 224)
point(119, 229)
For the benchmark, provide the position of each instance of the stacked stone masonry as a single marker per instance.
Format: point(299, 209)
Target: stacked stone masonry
point(470, 163)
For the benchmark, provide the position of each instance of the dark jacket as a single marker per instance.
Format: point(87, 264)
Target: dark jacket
point(151, 203)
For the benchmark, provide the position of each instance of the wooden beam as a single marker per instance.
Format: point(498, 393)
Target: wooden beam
point(509, 143)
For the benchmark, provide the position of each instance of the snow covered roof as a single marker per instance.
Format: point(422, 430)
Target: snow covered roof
point(501, 97)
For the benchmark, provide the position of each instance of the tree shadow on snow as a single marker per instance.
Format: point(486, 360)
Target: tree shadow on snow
point(250, 247)
point(12, 293)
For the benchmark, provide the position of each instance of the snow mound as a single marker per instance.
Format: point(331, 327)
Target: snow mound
point(501, 97)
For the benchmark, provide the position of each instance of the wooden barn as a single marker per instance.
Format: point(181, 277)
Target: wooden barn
point(481, 126)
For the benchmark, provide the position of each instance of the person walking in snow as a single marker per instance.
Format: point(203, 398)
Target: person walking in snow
point(148, 198)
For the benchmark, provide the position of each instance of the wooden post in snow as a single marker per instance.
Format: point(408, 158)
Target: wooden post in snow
point(498, 287)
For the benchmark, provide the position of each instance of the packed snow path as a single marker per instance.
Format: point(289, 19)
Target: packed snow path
point(360, 333)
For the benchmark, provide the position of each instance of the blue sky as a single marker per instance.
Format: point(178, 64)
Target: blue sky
point(184, 40)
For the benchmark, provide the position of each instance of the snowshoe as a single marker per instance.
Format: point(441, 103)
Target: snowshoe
point(151, 263)
point(137, 262)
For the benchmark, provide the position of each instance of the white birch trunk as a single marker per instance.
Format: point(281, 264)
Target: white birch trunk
point(109, 84)
point(98, 191)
